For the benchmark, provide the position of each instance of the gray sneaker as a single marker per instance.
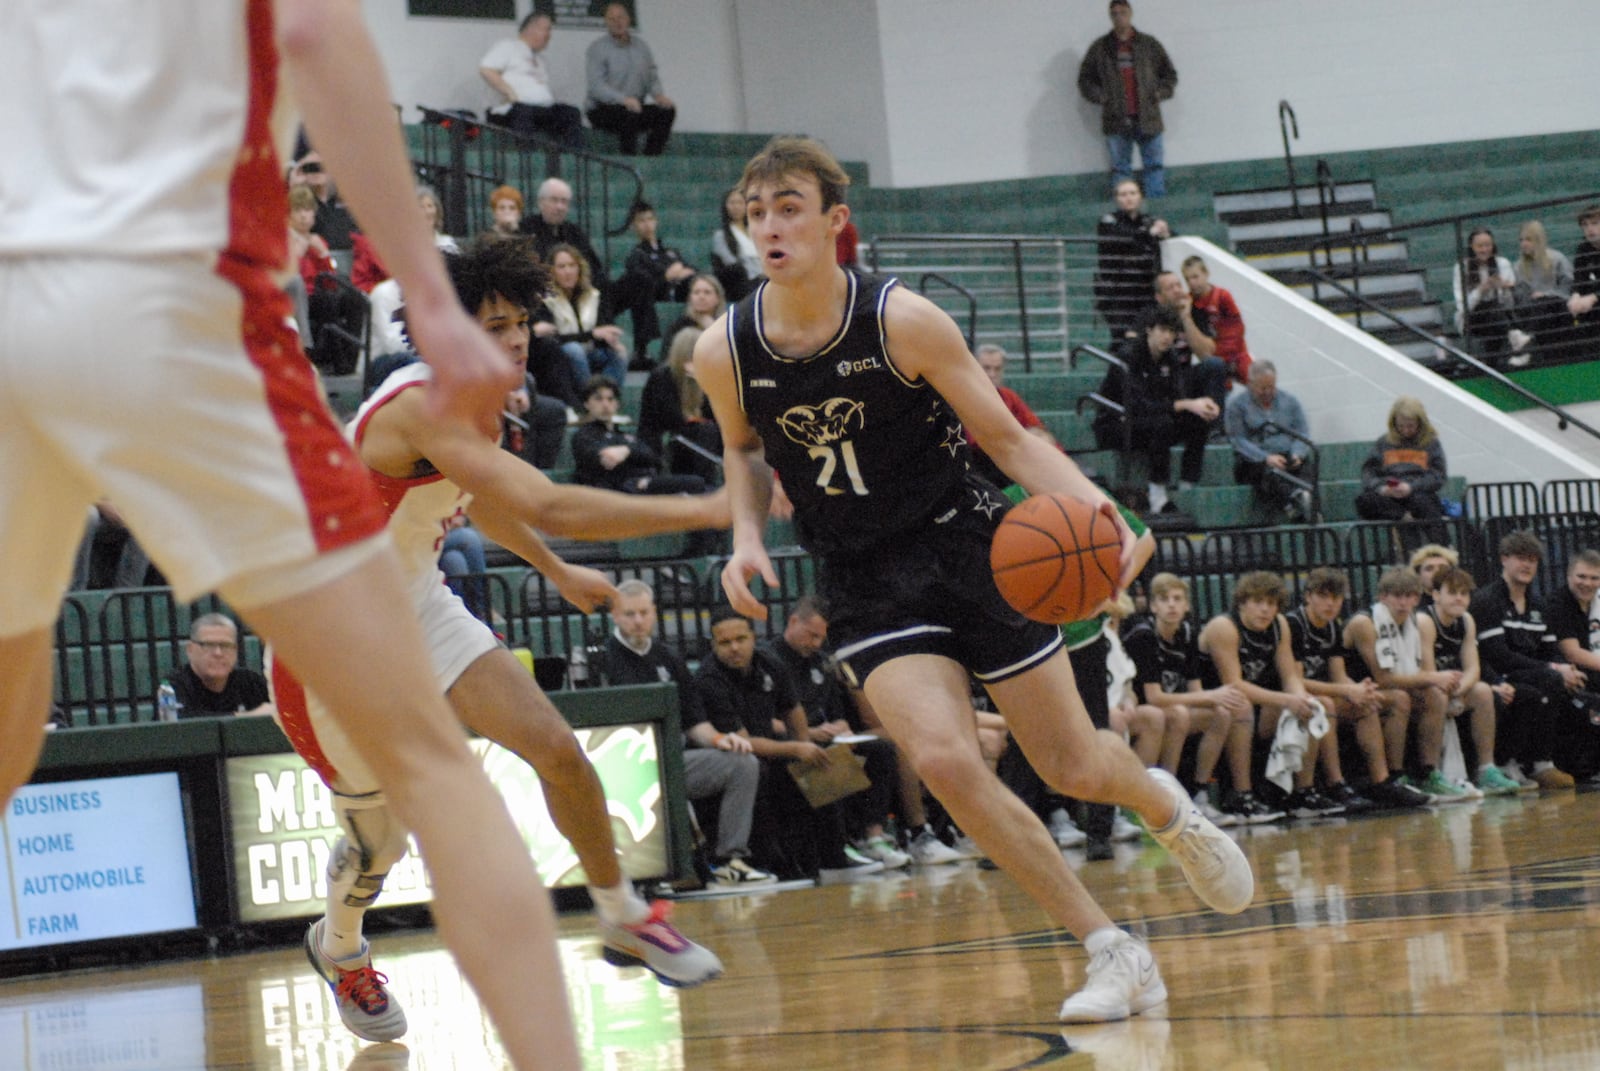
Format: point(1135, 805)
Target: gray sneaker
point(1216, 869)
point(361, 993)
point(658, 945)
point(928, 850)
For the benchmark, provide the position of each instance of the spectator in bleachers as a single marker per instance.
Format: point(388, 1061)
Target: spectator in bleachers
point(433, 209)
point(550, 227)
point(1227, 325)
point(748, 693)
point(716, 765)
point(1586, 271)
point(846, 246)
point(539, 442)
point(1403, 476)
point(1128, 74)
point(1544, 283)
point(514, 68)
point(673, 404)
point(1485, 294)
point(653, 272)
point(505, 213)
point(820, 688)
point(1388, 643)
point(705, 302)
point(1164, 646)
point(1196, 344)
point(211, 683)
point(1316, 632)
point(462, 561)
point(591, 342)
point(625, 94)
point(993, 360)
point(109, 556)
point(334, 222)
point(1129, 258)
point(327, 303)
point(1249, 648)
point(1451, 636)
point(734, 259)
point(606, 456)
point(1264, 455)
point(1165, 406)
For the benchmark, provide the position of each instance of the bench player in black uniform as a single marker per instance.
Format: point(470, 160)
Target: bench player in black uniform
point(1315, 634)
point(1248, 647)
point(1164, 646)
point(1448, 629)
point(855, 391)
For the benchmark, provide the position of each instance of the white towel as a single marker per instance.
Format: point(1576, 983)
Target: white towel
point(1289, 744)
point(1399, 647)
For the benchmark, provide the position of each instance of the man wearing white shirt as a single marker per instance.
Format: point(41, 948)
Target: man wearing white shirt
point(515, 69)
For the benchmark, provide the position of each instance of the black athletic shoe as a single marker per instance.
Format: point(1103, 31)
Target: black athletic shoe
point(1397, 793)
point(1349, 799)
point(1097, 849)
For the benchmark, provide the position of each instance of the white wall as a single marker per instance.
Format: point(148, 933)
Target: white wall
point(942, 91)
point(1347, 381)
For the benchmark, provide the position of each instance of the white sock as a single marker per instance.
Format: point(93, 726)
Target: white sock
point(1099, 940)
point(1186, 485)
point(340, 943)
point(1541, 767)
point(1158, 496)
point(620, 904)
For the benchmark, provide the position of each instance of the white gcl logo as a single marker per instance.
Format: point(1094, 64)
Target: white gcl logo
point(845, 368)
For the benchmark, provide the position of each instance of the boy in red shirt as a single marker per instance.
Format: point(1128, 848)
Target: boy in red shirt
point(1225, 318)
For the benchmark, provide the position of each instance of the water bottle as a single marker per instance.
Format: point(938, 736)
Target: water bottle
point(167, 705)
point(595, 658)
point(578, 666)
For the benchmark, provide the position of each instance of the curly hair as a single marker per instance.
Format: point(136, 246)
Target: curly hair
point(508, 268)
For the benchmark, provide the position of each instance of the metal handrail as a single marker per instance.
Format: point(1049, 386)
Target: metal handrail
point(1387, 233)
point(1286, 111)
point(464, 127)
point(1327, 192)
point(1090, 350)
point(1563, 418)
point(1313, 465)
point(972, 309)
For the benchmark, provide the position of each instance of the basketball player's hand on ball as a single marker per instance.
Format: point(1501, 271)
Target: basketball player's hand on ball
point(1130, 565)
point(585, 588)
point(746, 563)
point(471, 377)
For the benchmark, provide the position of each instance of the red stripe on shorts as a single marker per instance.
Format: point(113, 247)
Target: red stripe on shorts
point(294, 714)
point(342, 505)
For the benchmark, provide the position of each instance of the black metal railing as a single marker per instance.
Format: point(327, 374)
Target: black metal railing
point(1454, 353)
point(1286, 120)
point(466, 158)
point(971, 299)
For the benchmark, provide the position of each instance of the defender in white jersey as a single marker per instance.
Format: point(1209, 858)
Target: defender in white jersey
point(143, 356)
point(428, 475)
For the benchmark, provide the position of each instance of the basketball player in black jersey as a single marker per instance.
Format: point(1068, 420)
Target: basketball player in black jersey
point(1249, 648)
point(855, 393)
point(1450, 633)
point(1315, 633)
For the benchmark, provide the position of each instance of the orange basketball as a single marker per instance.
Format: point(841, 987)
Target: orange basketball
point(1056, 558)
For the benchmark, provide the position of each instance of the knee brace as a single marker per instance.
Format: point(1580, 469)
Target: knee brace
point(373, 841)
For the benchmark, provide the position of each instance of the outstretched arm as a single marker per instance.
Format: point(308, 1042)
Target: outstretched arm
point(747, 476)
point(340, 86)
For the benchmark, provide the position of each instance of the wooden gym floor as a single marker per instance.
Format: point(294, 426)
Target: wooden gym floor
point(1459, 938)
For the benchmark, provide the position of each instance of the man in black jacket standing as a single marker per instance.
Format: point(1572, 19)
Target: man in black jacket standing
point(1128, 74)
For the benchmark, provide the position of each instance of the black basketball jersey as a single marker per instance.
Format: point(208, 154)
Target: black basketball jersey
point(864, 453)
point(1448, 640)
point(1258, 656)
point(1172, 664)
point(1314, 647)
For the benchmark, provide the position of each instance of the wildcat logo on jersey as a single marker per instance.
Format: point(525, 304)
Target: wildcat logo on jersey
point(833, 421)
point(845, 368)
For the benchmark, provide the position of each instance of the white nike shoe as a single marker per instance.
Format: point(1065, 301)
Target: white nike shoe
point(1123, 981)
point(1216, 868)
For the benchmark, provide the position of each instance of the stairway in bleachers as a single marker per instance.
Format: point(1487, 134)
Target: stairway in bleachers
point(1275, 232)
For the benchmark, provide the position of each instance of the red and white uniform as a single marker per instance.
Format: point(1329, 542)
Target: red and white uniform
point(421, 511)
point(143, 347)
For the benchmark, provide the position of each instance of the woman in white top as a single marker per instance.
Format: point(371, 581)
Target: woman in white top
point(593, 348)
point(1485, 287)
point(1544, 283)
point(733, 255)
